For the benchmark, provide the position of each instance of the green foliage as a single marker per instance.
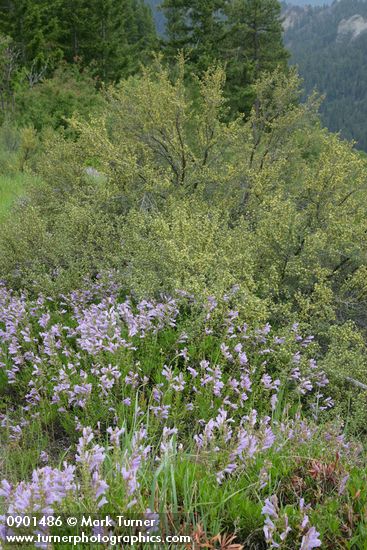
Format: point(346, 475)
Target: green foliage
point(152, 180)
point(112, 37)
point(35, 29)
point(156, 180)
point(345, 363)
point(154, 142)
point(17, 148)
point(107, 36)
point(12, 188)
point(54, 100)
point(160, 187)
point(244, 35)
point(178, 249)
point(9, 69)
point(196, 28)
point(252, 44)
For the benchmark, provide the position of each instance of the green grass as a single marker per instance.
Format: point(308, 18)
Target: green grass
point(11, 188)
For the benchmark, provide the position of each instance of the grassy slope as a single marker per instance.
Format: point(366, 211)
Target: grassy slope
point(11, 187)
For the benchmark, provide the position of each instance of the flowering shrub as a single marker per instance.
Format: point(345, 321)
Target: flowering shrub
point(147, 410)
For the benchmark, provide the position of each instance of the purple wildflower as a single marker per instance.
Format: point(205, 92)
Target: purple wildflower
point(310, 540)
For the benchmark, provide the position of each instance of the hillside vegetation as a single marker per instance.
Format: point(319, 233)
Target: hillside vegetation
point(329, 45)
point(183, 292)
point(11, 189)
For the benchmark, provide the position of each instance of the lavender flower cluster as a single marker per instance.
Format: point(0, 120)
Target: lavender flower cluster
point(277, 528)
point(85, 358)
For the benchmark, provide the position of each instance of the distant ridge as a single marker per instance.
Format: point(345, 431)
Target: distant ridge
point(309, 2)
point(329, 45)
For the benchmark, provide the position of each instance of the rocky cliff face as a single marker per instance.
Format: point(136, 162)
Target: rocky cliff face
point(352, 27)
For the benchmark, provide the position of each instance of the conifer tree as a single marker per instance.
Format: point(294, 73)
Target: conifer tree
point(34, 28)
point(252, 44)
point(134, 36)
point(194, 27)
point(115, 36)
point(243, 35)
point(77, 28)
point(110, 36)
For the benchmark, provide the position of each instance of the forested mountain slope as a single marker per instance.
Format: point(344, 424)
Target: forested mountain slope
point(329, 45)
